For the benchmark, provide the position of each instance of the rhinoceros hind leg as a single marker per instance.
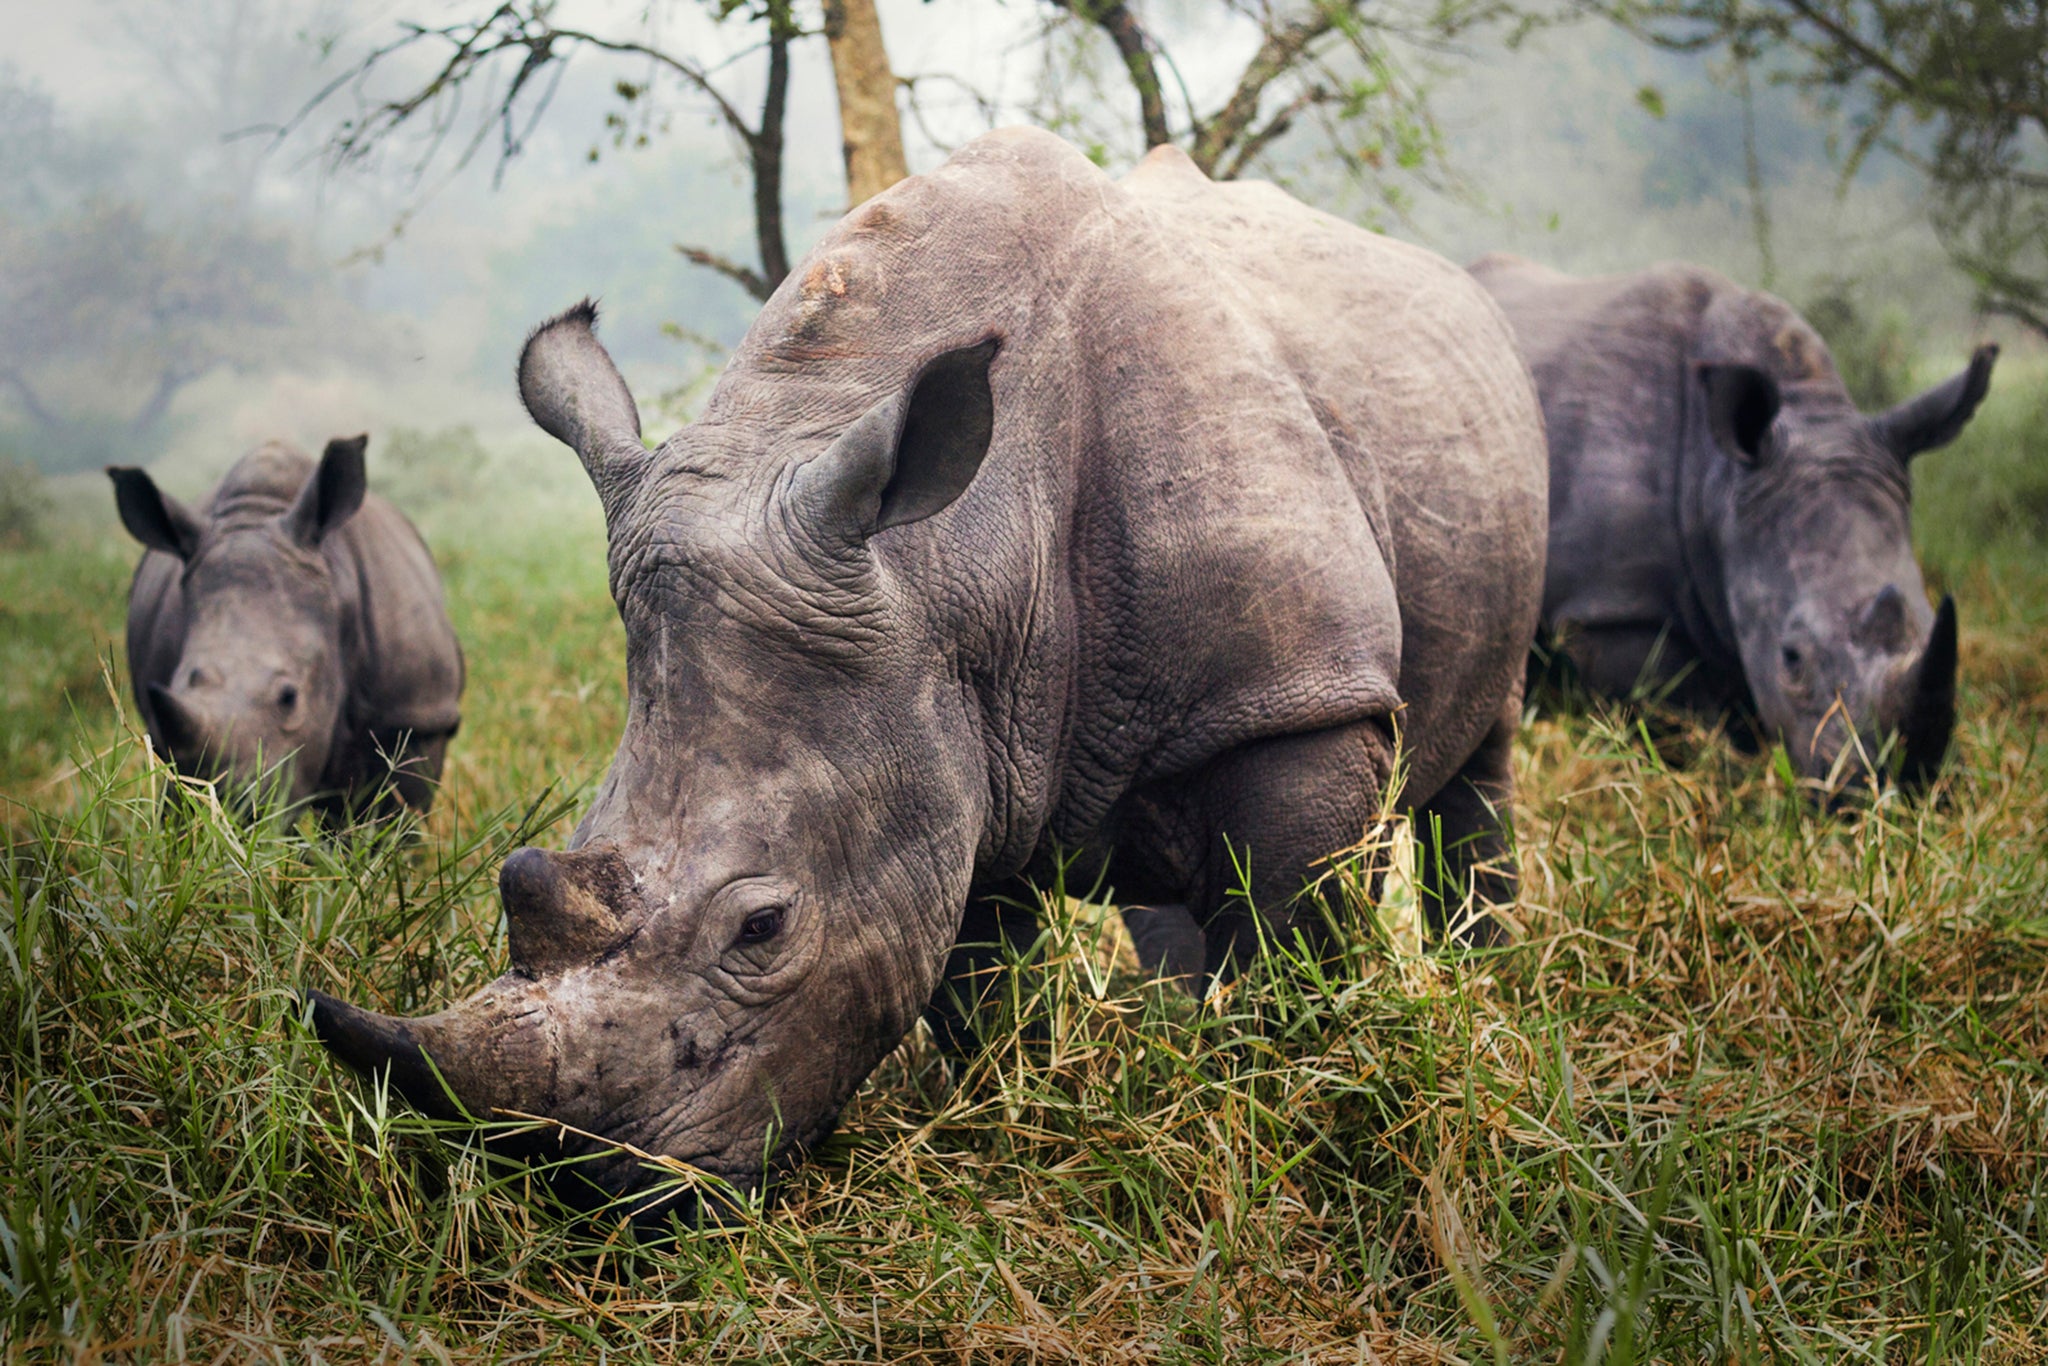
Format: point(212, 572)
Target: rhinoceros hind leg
point(1463, 842)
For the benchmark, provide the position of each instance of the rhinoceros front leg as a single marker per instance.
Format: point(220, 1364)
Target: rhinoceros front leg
point(1463, 840)
point(1271, 812)
point(1230, 850)
point(995, 931)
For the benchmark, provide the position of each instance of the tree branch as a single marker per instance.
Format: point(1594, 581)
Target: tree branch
point(159, 402)
point(749, 280)
point(1132, 44)
point(1257, 140)
point(31, 401)
point(473, 46)
point(1280, 50)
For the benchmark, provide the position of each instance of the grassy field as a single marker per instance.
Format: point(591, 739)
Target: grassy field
point(1750, 1083)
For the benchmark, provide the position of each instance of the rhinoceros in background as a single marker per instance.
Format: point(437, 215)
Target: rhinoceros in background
point(1035, 511)
point(1725, 526)
point(294, 619)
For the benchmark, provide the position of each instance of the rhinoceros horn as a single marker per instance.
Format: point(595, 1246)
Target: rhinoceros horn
point(180, 730)
point(469, 1061)
point(1931, 713)
point(559, 907)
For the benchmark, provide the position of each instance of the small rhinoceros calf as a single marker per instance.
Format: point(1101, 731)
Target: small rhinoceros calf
point(1037, 512)
point(1725, 527)
point(291, 629)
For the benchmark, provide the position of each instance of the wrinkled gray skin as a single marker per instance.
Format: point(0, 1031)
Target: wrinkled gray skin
point(293, 619)
point(1725, 526)
point(1035, 509)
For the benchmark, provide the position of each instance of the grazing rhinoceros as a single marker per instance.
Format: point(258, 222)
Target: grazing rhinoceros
point(293, 620)
point(1036, 511)
point(1724, 525)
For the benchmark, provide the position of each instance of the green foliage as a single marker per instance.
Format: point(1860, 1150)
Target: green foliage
point(1958, 89)
point(1871, 348)
point(119, 298)
point(416, 468)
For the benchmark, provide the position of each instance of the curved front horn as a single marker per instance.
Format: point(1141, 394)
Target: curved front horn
point(487, 1054)
point(1931, 714)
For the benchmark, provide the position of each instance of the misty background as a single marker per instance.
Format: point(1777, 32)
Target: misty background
point(185, 272)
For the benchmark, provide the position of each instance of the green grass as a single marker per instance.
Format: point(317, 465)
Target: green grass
point(1750, 1083)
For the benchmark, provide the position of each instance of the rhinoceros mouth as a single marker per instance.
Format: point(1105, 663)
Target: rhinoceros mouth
point(589, 1172)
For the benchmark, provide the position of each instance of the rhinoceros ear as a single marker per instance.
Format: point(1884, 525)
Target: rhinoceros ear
point(1938, 416)
point(571, 388)
point(1742, 402)
point(333, 493)
point(152, 516)
point(911, 454)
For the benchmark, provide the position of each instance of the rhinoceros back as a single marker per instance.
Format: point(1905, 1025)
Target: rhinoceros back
point(1416, 381)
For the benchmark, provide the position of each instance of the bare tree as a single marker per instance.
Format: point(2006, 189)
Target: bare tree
point(872, 133)
point(1329, 58)
point(115, 307)
point(517, 52)
point(119, 298)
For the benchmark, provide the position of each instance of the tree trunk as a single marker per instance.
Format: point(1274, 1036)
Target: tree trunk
point(1132, 44)
point(870, 132)
point(766, 146)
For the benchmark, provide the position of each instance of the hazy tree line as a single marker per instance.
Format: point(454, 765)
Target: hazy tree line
point(130, 276)
point(1957, 89)
point(118, 297)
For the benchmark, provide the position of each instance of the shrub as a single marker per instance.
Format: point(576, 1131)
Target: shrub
point(418, 468)
point(1872, 350)
point(24, 505)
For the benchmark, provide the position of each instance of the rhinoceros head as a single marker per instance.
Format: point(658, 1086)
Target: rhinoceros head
point(258, 689)
point(1825, 600)
point(758, 904)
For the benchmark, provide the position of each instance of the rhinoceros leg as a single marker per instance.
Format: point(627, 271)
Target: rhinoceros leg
point(1169, 944)
point(381, 773)
point(416, 770)
point(995, 931)
point(1462, 840)
point(1239, 841)
point(1272, 812)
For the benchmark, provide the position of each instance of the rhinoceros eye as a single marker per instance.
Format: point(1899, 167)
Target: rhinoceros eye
point(762, 925)
point(287, 697)
point(1793, 660)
